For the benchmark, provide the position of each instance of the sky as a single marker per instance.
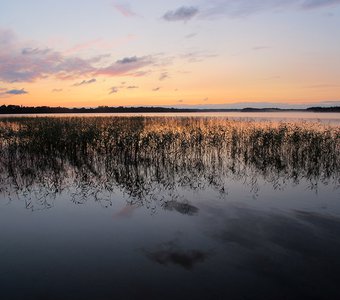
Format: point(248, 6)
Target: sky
point(206, 53)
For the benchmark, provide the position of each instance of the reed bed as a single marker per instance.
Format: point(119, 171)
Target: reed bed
point(146, 156)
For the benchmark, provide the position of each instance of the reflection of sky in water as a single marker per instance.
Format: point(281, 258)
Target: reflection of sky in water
point(235, 246)
point(259, 238)
point(328, 118)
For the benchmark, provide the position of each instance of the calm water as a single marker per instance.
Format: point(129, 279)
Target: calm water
point(328, 118)
point(168, 208)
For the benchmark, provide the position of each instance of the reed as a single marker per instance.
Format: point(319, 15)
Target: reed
point(152, 156)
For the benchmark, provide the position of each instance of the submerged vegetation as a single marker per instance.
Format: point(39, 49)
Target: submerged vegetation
point(150, 158)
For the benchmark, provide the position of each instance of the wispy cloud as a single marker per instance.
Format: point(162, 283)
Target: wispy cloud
point(85, 82)
point(163, 76)
point(156, 89)
point(239, 8)
point(35, 51)
point(16, 92)
point(126, 66)
point(28, 64)
point(57, 90)
point(131, 87)
point(310, 4)
point(113, 90)
point(183, 13)
point(124, 9)
point(100, 44)
point(128, 60)
point(84, 46)
point(4, 92)
point(139, 73)
point(193, 57)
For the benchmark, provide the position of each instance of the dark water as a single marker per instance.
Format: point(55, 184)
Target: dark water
point(160, 208)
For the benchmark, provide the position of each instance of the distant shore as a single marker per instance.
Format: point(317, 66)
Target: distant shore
point(16, 109)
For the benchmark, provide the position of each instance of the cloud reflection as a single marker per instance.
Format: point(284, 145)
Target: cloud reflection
point(171, 253)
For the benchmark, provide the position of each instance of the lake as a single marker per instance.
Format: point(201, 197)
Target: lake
point(226, 206)
point(328, 118)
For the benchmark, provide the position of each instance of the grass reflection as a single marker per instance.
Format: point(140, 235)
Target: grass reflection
point(149, 158)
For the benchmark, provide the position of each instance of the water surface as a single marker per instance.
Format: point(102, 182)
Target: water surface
point(186, 208)
point(328, 118)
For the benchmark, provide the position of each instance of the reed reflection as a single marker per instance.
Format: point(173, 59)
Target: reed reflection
point(150, 159)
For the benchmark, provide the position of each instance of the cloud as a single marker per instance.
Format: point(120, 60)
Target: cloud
point(124, 9)
point(100, 44)
point(85, 82)
point(34, 51)
point(28, 64)
point(156, 89)
point(126, 65)
point(193, 57)
point(16, 92)
point(183, 13)
point(139, 73)
point(57, 90)
point(310, 4)
point(83, 46)
point(128, 60)
point(128, 87)
point(113, 90)
point(240, 8)
point(163, 76)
